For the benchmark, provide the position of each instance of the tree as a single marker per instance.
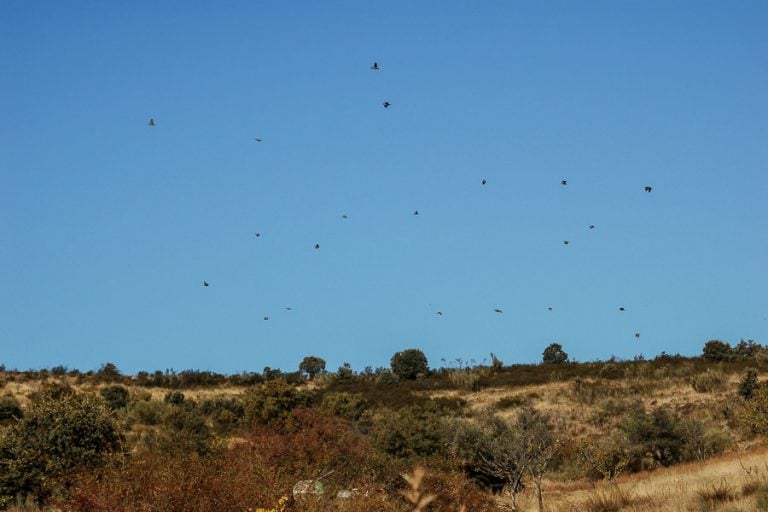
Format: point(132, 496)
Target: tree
point(312, 365)
point(537, 434)
point(716, 350)
point(409, 364)
point(109, 373)
point(554, 354)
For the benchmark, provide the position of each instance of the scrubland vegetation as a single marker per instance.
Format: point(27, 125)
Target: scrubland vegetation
point(672, 433)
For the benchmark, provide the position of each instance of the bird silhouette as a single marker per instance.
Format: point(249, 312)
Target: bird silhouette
point(288, 308)
point(151, 121)
point(344, 216)
point(205, 283)
point(257, 139)
point(386, 104)
point(637, 335)
point(498, 311)
point(622, 309)
point(484, 182)
point(591, 226)
point(375, 66)
point(549, 308)
point(566, 242)
point(563, 182)
point(266, 317)
point(317, 246)
point(415, 212)
point(439, 313)
point(648, 189)
point(258, 235)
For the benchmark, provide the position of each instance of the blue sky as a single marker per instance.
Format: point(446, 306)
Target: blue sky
point(108, 226)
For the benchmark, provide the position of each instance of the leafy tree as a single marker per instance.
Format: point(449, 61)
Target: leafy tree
point(716, 350)
point(409, 364)
point(57, 436)
point(554, 354)
point(109, 373)
point(311, 366)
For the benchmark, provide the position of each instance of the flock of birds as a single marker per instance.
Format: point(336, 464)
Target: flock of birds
point(387, 104)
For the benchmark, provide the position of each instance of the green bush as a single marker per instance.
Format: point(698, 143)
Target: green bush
point(409, 364)
point(57, 436)
point(273, 401)
point(10, 409)
point(147, 412)
point(174, 398)
point(716, 350)
point(416, 430)
point(709, 381)
point(116, 396)
point(748, 384)
point(185, 431)
point(311, 366)
point(554, 354)
point(345, 405)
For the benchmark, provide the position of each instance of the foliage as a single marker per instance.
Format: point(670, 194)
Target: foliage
point(174, 398)
point(109, 373)
point(716, 350)
point(273, 400)
point(709, 381)
point(57, 436)
point(754, 417)
point(10, 409)
point(184, 431)
point(409, 364)
point(311, 366)
point(415, 430)
point(554, 354)
point(346, 405)
point(116, 396)
point(604, 457)
point(748, 384)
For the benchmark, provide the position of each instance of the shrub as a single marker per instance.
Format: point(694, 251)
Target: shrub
point(465, 378)
point(345, 373)
point(716, 350)
point(116, 396)
point(56, 437)
point(554, 354)
point(184, 431)
point(273, 401)
point(109, 373)
point(612, 500)
point(10, 409)
point(754, 417)
point(346, 405)
point(149, 412)
point(174, 398)
point(414, 430)
point(761, 498)
point(748, 384)
point(719, 492)
point(311, 366)
point(409, 364)
point(709, 381)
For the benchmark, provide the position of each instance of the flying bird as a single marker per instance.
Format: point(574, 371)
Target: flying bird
point(621, 309)
point(151, 121)
point(266, 317)
point(498, 311)
point(416, 212)
point(288, 308)
point(648, 189)
point(566, 242)
point(344, 216)
point(386, 104)
point(205, 283)
point(439, 313)
point(637, 335)
point(375, 66)
point(591, 226)
point(317, 246)
point(563, 182)
point(258, 235)
point(257, 139)
point(550, 308)
point(484, 182)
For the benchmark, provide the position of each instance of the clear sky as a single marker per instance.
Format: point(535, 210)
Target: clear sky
point(108, 227)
